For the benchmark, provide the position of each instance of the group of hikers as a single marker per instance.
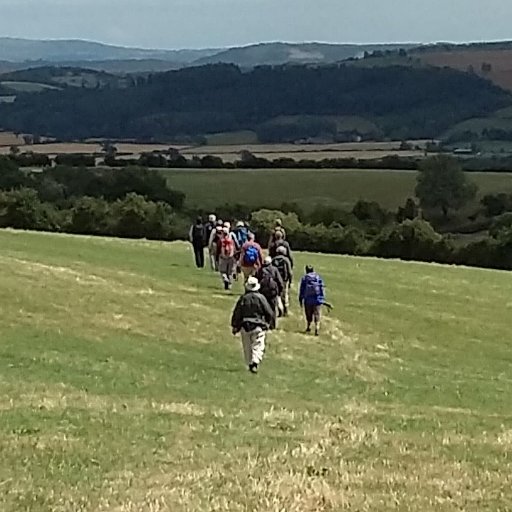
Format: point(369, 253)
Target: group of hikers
point(234, 252)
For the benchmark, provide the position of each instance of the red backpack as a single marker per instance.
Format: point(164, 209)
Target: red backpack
point(227, 247)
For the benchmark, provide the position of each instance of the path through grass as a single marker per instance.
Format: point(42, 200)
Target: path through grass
point(121, 388)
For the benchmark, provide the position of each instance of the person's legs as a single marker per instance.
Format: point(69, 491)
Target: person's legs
point(317, 313)
point(224, 272)
point(230, 266)
point(258, 336)
point(199, 256)
point(309, 310)
point(213, 259)
point(286, 298)
point(247, 346)
point(248, 272)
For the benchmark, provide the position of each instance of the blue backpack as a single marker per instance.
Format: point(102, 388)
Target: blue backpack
point(251, 255)
point(313, 288)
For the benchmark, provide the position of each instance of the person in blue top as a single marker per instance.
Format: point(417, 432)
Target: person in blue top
point(311, 297)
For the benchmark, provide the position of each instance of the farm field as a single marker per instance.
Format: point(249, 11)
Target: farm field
point(122, 388)
point(309, 187)
point(228, 152)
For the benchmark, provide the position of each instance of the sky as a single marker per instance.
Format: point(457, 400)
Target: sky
point(219, 23)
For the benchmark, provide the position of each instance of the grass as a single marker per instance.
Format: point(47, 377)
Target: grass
point(122, 389)
point(28, 87)
point(310, 187)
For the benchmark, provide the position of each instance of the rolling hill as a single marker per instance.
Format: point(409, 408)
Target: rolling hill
point(397, 102)
point(123, 389)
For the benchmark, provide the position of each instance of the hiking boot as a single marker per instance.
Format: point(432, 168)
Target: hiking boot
point(226, 285)
point(308, 330)
point(317, 332)
point(253, 367)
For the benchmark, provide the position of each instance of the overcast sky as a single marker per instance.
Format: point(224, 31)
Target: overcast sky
point(214, 23)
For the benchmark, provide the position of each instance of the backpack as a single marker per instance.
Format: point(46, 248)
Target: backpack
point(313, 288)
point(280, 263)
point(198, 233)
point(227, 247)
point(251, 255)
point(268, 285)
point(242, 235)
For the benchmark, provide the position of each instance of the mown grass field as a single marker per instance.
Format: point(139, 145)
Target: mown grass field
point(122, 389)
point(309, 187)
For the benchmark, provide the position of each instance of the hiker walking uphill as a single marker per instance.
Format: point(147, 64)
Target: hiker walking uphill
point(312, 297)
point(251, 257)
point(213, 247)
point(271, 285)
point(252, 317)
point(284, 267)
point(279, 241)
point(278, 228)
point(226, 257)
point(197, 239)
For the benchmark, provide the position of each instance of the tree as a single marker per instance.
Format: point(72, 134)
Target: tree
point(442, 184)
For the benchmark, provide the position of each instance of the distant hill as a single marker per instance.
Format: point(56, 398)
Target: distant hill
point(16, 54)
point(290, 53)
point(28, 50)
point(286, 103)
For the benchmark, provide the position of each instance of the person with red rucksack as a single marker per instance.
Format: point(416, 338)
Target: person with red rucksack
point(226, 258)
point(312, 297)
point(251, 257)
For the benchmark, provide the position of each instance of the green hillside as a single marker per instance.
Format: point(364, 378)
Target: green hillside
point(122, 388)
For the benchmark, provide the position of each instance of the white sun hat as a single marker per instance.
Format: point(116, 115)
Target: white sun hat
point(252, 284)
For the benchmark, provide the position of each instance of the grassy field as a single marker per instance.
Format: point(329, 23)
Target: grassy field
point(310, 187)
point(122, 389)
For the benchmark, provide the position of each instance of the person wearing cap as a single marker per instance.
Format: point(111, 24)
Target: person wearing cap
point(208, 228)
point(214, 247)
point(252, 317)
point(284, 267)
point(312, 297)
point(271, 285)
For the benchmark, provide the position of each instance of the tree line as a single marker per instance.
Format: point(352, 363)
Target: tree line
point(138, 203)
point(402, 102)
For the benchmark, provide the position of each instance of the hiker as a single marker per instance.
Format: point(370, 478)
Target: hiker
point(271, 285)
point(213, 247)
point(311, 296)
point(241, 232)
point(197, 239)
point(226, 257)
point(208, 228)
point(252, 317)
point(278, 228)
point(279, 241)
point(251, 257)
point(284, 267)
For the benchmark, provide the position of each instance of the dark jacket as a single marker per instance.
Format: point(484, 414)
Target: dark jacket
point(284, 267)
point(281, 243)
point(272, 272)
point(252, 310)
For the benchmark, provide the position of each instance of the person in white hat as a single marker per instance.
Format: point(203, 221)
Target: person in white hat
point(252, 317)
point(209, 228)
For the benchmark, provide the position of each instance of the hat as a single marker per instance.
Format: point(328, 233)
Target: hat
point(240, 224)
point(267, 260)
point(252, 284)
point(309, 269)
point(218, 228)
point(227, 224)
point(212, 217)
point(225, 230)
point(281, 250)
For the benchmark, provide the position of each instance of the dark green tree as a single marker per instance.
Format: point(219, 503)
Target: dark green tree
point(442, 184)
